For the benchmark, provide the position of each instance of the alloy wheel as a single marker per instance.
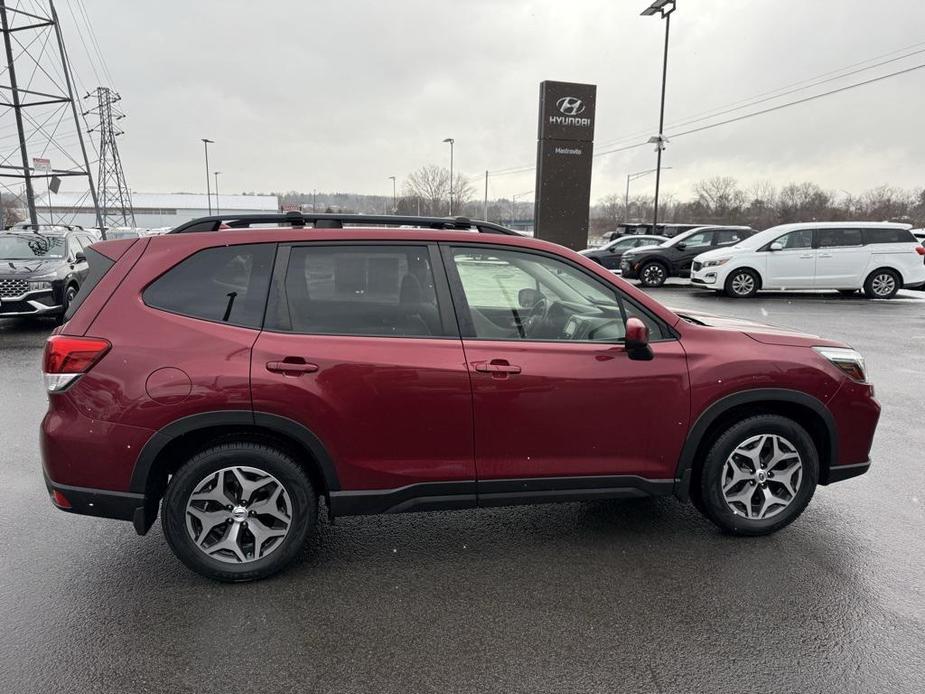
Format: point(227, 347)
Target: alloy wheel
point(653, 275)
point(762, 476)
point(883, 284)
point(238, 514)
point(743, 284)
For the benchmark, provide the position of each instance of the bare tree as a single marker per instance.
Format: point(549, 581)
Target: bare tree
point(430, 185)
point(720, 196)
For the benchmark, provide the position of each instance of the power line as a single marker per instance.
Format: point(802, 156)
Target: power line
point(800, 101)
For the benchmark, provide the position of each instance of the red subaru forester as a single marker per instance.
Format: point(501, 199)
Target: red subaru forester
point(232, 376)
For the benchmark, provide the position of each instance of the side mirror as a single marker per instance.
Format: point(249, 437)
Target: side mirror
point(528, 298)
point(776, 246)
point(680, 246)
point(637, 340)
point(80, 257)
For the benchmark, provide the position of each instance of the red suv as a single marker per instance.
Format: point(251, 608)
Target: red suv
point(233, 376)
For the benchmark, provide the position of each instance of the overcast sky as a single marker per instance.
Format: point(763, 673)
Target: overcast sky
point(337, 95)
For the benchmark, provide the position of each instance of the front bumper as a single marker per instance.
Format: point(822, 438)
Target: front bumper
point(41, 302)
point(626, 270)
point(705, 278)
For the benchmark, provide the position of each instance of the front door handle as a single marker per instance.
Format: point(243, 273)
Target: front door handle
point(291, 366)
point(806, 256)
point(496, 367)
point(825, 255)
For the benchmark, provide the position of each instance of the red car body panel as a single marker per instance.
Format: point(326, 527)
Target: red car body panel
point(390, 411)
point(399, 411)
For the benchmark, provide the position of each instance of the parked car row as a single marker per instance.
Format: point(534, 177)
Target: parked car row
point(877, 258)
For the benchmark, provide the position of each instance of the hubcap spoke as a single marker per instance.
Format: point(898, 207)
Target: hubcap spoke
point(252, 505)
point(762, 476)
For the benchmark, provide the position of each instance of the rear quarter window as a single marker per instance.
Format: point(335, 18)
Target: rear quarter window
point(99, 266)
point(873, 236)
point(225, 285)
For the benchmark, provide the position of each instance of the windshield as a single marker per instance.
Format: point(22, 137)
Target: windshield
point(31, 247)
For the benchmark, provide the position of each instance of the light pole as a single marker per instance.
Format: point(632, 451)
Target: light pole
point(664, 8)
point(452, 142)
point(394, 196)
point(218, 207)
point(633, 177)
point(205, 143)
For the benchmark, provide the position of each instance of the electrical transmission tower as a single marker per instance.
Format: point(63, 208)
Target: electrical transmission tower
point(115, 199)
point(47, 145)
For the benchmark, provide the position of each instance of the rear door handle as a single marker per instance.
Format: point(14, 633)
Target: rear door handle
point(810, 256)
point(496, 367)
point(291, 366)
point(825, 255)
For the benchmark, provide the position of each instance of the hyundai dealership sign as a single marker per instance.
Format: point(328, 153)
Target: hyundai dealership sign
point(563, 162)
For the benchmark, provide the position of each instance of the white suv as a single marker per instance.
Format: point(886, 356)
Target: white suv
point(879, 258)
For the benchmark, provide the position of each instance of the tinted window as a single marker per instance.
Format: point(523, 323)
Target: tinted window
point(703, 238)
point(99, 266)
point(359, 290)
point(887, 236)
point(227, 285)
point(796, 239)
point(831, 238)
point(727, 237)
point(513, 295)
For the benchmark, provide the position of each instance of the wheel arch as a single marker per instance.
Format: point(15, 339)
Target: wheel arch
point(751, 268)
point(162, 455)
point(807, 411)
point(880, 268)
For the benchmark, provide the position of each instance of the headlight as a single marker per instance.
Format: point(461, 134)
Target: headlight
point(848, 360)
point(714, 263)
point(35, 286)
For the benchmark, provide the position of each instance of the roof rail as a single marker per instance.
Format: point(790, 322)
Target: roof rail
point(336, 221)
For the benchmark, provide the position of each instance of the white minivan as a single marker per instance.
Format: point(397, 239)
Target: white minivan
point(878, 257)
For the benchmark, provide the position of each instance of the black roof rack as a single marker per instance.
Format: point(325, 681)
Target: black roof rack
point(337, 221)
point(21, 226)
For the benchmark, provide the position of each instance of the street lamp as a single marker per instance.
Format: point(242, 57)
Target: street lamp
point(452, 142)
point(514, 204)
point(664, 8)
point(205, 143)
point(394, 196)
point(633, 177)
point(218, 208)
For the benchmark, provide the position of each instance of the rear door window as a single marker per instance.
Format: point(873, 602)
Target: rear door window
point(727, 237)
point(385, 291)
point(226, 285)
point(838, 238)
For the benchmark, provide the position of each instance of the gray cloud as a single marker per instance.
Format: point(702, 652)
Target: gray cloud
point(339, 95)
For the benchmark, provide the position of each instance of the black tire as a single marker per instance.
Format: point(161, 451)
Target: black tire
point(292, 477)
point(653, 274)
point(882, 284)
point(69, 293)
point(712, 475)
point(742, 284)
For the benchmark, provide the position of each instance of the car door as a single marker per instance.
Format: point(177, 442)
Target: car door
point(841, 257)
point(790, 261)
point(555, 393)
point(685, 251)
point(360, 347)
point(723, 238)
point(611, 258)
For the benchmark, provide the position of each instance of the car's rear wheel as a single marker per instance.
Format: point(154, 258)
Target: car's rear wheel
point(239, 511)
point(882, 284)
point(741, 284)
point(653, 274)
point(758, 475)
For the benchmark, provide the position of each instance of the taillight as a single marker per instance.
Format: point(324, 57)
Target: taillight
point(66, 358)
point(920, 250)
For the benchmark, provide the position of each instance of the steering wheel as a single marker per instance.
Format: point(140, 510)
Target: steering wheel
point(538, 314)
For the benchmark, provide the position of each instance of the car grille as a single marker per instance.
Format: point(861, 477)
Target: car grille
point(696, 266)
point(11, 287)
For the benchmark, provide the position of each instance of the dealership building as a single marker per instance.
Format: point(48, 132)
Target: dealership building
point(152, 210)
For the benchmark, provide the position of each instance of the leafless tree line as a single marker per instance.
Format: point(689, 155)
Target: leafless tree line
point(721, 200)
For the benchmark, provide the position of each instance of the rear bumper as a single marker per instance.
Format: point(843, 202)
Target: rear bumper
point(95, 502)
point(838, 473)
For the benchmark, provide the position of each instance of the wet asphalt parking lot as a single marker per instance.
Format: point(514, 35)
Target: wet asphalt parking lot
point(642, 596)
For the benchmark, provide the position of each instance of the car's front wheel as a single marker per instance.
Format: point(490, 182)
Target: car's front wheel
point(653, 274)
point(758, 475)
point(741, 284)
point(239, 511)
